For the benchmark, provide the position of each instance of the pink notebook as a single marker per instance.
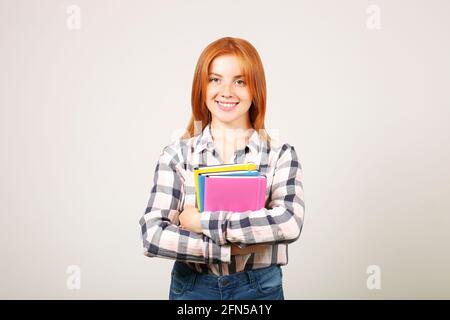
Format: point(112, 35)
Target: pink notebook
point(234, 193)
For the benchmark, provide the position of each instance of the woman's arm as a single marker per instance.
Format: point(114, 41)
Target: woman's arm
point(280, 224)
point(161, 235)
point(190, 220)
point(254, 248)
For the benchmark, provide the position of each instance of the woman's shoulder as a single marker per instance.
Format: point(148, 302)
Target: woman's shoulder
point(279, 148)
point(179, 149)
point(180, 144)
point(283, 153)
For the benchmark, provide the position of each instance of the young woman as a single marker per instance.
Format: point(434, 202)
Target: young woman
point(225, 255)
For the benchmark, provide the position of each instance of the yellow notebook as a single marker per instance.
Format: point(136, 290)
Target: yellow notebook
point(219, 168)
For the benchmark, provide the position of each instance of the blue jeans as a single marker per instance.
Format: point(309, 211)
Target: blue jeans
point(258, 284)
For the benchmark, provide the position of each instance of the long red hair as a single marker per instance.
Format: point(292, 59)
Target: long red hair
point(253, 72)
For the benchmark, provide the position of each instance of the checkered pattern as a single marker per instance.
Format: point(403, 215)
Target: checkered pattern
point(279, 223)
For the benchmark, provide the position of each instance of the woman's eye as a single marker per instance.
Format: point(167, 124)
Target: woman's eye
point(239, 82)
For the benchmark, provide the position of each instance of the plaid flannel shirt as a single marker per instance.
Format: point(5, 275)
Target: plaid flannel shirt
point(277, 225)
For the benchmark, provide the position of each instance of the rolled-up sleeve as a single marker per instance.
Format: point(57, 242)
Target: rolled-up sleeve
point(161, 234)
point(281, 222)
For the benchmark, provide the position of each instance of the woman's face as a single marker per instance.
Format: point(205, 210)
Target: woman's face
point(227, 96)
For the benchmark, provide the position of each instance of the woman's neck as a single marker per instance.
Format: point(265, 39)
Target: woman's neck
point(230, 136)
point(220, 130)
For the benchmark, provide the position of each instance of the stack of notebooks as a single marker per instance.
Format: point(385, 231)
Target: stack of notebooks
point(230, 187)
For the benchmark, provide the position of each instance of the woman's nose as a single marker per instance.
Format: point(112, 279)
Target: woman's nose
point(227, 91)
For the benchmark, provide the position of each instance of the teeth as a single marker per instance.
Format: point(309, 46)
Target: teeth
point(227, 105)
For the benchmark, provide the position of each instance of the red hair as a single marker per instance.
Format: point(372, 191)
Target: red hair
point(253, 72)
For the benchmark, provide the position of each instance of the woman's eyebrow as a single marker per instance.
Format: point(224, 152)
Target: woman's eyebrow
point(216, 74)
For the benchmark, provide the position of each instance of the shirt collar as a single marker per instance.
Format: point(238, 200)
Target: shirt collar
point(205, 141)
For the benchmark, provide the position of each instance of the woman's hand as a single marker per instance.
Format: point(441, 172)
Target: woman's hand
point(255, 248)
point(190, 219)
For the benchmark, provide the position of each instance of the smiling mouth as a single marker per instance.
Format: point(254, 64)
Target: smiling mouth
point(227, 105)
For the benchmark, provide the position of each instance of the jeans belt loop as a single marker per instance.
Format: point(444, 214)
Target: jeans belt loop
point(251, 278)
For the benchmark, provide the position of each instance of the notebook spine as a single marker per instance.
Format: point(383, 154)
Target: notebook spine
point(262, 191)
point(261, 186)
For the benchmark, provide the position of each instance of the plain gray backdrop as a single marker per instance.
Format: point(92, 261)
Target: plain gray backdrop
point(86, 112)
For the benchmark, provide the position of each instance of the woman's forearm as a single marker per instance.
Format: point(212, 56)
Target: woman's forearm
point(255, 248)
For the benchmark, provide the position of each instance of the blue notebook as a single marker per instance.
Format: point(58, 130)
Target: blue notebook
point(201, 181)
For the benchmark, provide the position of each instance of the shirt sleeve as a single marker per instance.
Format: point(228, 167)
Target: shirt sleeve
point(161, 234)
point(282, 222)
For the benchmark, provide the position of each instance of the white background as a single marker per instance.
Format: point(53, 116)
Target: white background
point(85, 114)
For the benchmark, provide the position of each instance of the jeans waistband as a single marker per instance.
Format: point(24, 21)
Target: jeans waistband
point(211, 280)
